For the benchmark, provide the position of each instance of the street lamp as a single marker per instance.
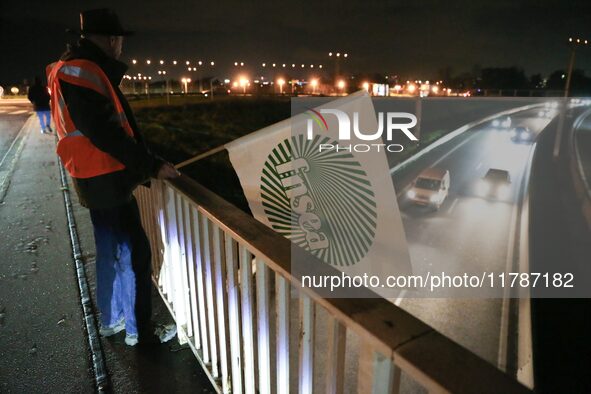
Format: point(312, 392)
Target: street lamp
point(574, 43)
point(314, 84)
point(281, 82)
point(341, 85)
point(185, 81)
point(243, 83)
point(337, 58)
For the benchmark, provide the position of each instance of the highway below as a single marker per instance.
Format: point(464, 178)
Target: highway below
point(470, 234)
point(13, 114)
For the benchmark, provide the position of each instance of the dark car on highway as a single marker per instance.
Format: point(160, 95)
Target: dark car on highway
point(495, 184)
point(522, 135)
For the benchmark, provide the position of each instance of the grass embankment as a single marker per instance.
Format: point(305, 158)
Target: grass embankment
point(193, 125)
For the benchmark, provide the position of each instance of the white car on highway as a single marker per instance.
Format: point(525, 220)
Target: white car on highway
point(430, 188)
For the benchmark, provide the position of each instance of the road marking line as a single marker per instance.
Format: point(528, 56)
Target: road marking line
point(474, 134)
point(453, 205)
point(504, 325)
point(400, 298)
point(522, 254)
point(404, 190)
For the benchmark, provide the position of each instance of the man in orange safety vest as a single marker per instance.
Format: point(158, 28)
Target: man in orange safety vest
point(102, 148)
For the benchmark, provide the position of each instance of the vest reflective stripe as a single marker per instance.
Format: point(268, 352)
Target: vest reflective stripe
point(60, 113)
point(91, 78)
point(80, 157)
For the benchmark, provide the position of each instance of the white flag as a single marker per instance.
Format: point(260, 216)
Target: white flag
point(338, 204)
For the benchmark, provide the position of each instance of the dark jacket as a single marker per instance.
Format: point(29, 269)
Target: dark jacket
point(92, 113)
point(39, 96)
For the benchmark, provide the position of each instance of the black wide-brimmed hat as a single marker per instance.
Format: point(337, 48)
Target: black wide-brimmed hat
point(102, 21)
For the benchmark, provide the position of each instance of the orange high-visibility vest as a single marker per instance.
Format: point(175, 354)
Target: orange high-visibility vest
point(80, 157)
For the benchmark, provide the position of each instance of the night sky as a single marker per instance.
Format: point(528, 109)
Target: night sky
point(410, 38)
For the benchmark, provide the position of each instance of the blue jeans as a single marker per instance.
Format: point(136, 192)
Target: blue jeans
point(44, 119)
point(123, 268)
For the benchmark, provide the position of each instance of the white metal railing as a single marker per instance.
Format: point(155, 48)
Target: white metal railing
point(226, 279)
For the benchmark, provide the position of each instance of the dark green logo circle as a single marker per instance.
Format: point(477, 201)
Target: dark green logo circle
point(322, 200)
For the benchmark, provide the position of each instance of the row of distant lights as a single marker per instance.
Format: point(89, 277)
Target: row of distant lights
point(578, 41)
point(244, 82)
point(236, 64)
point(174, 62)
point(293, 65)
point(212, 63)
point(338, 54)
point(138, 77)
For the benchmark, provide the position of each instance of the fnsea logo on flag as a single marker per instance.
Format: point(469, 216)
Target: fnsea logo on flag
point(337, 204)
point(323, 201)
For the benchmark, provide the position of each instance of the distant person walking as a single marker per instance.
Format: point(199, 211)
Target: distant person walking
point(39, 96)
point(102, 148)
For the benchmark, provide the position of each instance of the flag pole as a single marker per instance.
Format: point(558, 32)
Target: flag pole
point(200, 156)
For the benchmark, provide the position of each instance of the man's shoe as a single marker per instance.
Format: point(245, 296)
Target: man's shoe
point(108, 331)
point(161, 334)
point(131, 340)
point(165, 332)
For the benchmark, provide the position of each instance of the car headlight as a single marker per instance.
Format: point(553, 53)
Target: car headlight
point(434, 198)
point(495, 123)
point(411, 194)
point(541, 114)
point(482, 187)
point(513, 134)
point(503, 191)
point(524, 136)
